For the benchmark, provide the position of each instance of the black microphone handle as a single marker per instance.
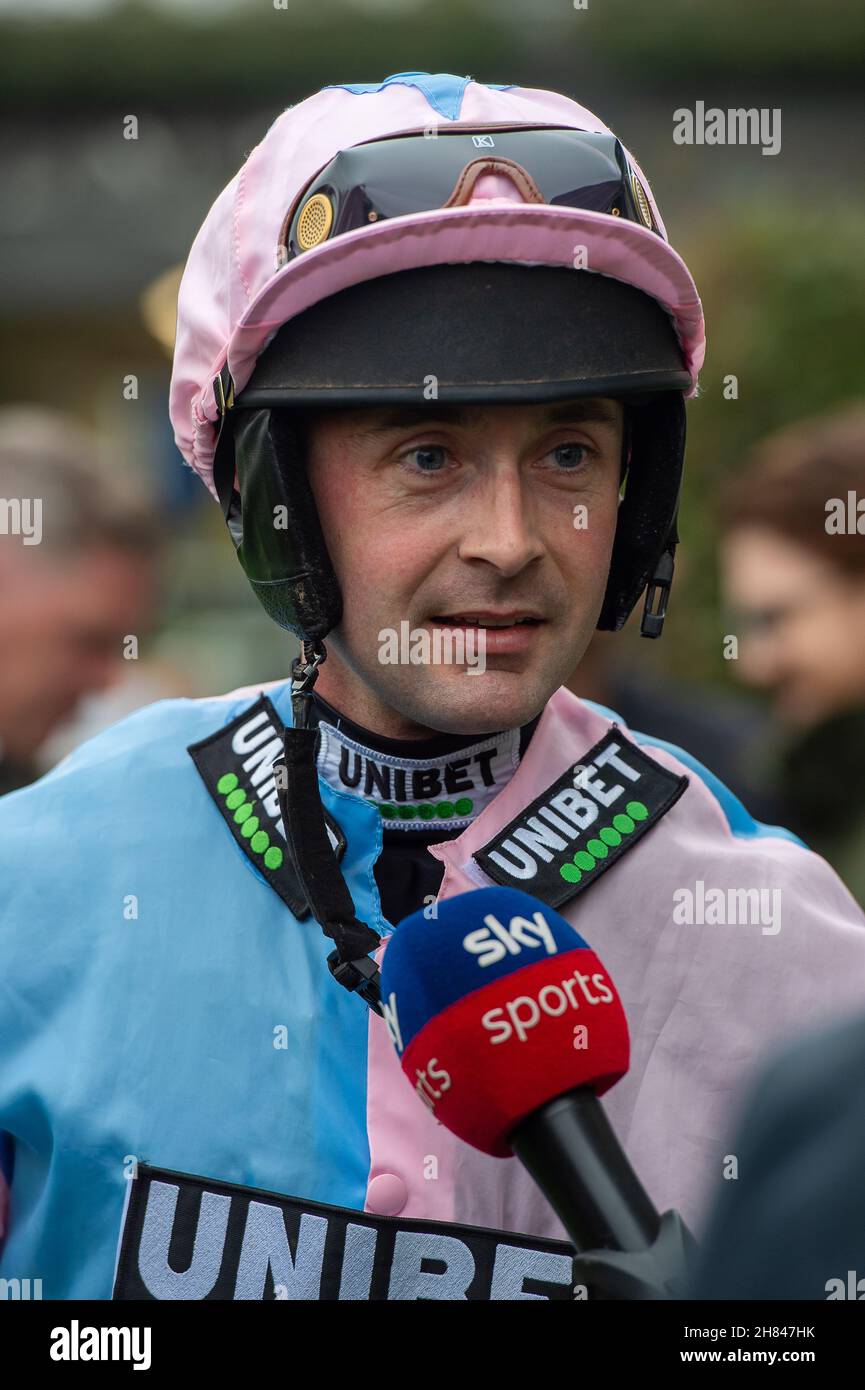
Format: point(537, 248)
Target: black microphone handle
point(570, 1149)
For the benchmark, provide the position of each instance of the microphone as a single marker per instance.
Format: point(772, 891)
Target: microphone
point(509, 1028)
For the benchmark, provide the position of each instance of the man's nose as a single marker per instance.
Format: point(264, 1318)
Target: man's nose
point(500, 525)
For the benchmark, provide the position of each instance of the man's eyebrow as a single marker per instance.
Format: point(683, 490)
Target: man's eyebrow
point(413, 417)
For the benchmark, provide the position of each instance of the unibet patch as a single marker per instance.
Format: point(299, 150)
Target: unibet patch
point(236, 765)
point(583, 822)
point(187, 1237)
point(441, 793)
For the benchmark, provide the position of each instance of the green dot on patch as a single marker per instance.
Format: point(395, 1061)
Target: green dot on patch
point(260, 841)
point(583, 860)
point(610, 836)
point(389, 812)
point(445, 808)
point(226, 783)
point(249, 827)
point(623, 823)
point(273, 857)
point(570, 873)
point(235, 799)
point(426, 811)
point(243, 812)
point(463, 806)
point(597, 848)
point(407, 812)
point(637, 810)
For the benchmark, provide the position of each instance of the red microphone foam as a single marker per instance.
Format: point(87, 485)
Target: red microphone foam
point(486, 1062)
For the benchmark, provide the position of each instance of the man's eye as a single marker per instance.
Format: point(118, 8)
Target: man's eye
point(758, 622)
point(427, 458)
point(570, 455)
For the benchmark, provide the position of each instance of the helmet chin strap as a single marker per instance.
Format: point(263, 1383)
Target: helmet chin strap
point(304, 674)
point(309, 843)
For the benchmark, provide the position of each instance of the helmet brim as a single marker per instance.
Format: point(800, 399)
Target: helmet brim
point(474, 333)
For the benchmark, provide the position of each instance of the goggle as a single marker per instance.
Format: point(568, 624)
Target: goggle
point(399, 175)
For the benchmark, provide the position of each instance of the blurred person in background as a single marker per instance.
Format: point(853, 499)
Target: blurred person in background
point(721, 731)
point(791, 1225)
point(793, 570)
point(78, 577)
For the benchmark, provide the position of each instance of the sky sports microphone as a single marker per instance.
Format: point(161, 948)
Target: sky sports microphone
point(509, 1028)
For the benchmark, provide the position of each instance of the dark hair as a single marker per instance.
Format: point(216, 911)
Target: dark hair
point(790, 477)
point(86, 502)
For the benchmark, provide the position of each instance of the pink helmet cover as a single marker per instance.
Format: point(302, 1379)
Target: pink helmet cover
point(236, 292)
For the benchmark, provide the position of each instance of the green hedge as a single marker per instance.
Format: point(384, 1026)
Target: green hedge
point(783, 287)
point(137, 54)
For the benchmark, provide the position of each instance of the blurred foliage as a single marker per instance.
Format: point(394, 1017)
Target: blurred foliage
point(783, 288)
point(138, 54)
point(737, 38)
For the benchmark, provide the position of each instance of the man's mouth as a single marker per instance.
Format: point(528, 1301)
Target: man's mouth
point(497, 634)
point(481, 619)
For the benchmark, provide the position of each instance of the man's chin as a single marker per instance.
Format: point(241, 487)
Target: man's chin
point(461, 700)
point(410, 698)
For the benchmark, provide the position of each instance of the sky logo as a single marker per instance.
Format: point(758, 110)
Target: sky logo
point(491, 943)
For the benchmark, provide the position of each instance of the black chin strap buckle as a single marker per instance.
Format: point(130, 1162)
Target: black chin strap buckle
point(304, 674)
point(223, 391)
point(657, 595)
point(361, 976)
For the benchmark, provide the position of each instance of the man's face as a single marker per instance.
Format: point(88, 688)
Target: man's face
point(61, 636)
point(802, 625)
point(450, 519)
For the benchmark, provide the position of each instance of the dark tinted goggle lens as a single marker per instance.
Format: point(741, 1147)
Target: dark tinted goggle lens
point(415, 173)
